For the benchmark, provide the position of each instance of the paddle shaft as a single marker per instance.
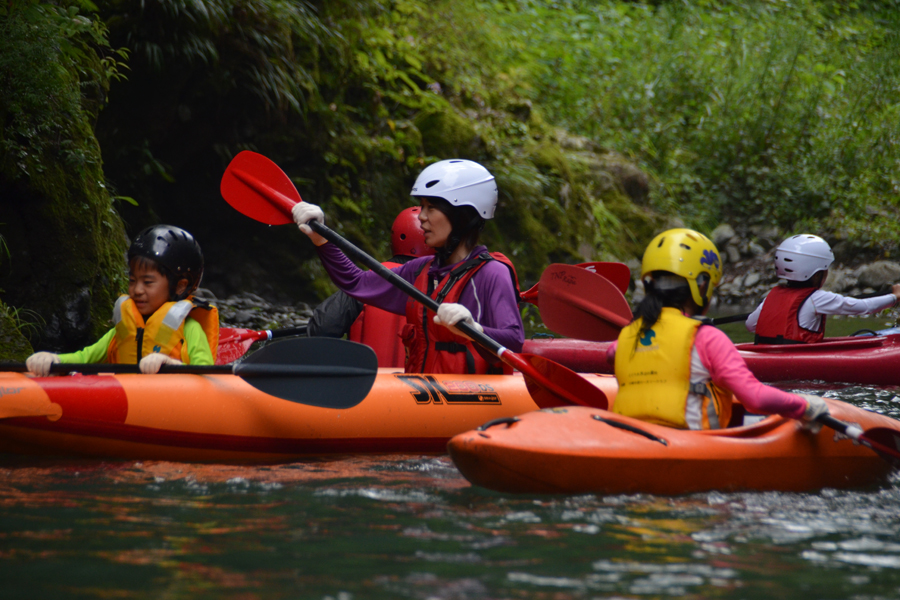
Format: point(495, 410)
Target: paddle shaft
point(271, 334)
point(511, 358)
point(244, 370)
point(743, 317)
point(854, 432)
point(255, 172)
point(290, 331)
point(409, 289)
point(285, 205)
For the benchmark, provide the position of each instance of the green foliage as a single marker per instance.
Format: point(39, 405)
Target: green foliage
point(13, 345)
point(759, 110)
point(749, 111)
point(55, 70)
point(430, 66)
point(49, 73)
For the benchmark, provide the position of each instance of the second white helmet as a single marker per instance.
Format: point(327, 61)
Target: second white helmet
point(461, 183)
point(800, 257)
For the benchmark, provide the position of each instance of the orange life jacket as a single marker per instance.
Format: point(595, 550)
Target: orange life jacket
point(434, 348)
point(382, 331)
point(779, 319)
point(162, 332)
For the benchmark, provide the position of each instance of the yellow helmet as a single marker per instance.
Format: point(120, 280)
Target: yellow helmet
point(688, 254)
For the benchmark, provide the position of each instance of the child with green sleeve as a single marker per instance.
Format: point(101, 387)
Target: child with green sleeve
point(158, 322)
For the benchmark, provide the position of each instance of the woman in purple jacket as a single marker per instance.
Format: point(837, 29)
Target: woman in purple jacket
point(457, 197)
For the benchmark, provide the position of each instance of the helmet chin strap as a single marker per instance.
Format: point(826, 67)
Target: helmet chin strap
point(173, 289)
point(448, 249)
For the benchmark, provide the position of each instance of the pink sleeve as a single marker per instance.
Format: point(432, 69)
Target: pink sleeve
point(611, 353)
point(728, 370)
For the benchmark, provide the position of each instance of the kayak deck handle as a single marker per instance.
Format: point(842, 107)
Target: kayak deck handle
point(499, 421)
point(630, 428)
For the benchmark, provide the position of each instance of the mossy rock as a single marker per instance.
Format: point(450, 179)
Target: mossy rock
point(446, 134)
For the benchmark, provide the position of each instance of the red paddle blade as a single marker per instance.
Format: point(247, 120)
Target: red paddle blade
point(617, 273)
point(885, 441)
point(258, 188)
point(579, 304)
point(550, 384)
point(234, 343)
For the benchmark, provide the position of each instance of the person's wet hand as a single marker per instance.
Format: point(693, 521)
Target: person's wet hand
point(151, 363)
point(449, 314)
point(303, 213)
point(39, 363)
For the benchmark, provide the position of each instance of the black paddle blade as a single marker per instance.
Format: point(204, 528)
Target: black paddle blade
point(325, 372)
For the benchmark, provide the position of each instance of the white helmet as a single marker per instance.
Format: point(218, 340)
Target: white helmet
point(800, 257)
point(461, 183)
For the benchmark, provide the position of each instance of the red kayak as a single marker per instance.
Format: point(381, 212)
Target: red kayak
point(870, 360)
point(865, 360)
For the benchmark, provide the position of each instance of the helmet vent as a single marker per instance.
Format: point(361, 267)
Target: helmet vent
point(661, 240)
point(432, 183)
point(786, 259)
point(685, 246)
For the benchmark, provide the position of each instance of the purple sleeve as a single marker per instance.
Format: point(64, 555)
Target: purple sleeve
point(728, 370)
point(367, 286)
point(489, 295)
point(491, 298)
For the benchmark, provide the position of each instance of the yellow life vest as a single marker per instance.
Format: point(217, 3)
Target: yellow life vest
point(654, 375)
point(163, 332)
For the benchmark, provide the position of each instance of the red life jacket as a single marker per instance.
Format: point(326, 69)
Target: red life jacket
point(434, 348)
point(382, 331)
point(779, 320)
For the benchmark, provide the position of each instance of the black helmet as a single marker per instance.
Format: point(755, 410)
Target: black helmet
point(173, 248)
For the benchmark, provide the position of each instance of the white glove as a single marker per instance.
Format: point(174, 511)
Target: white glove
point(815, 407)
point(450, 314)
point(39, 363)
point(303, 213)
point(151, 363)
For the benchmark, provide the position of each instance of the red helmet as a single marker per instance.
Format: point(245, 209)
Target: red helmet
point(407, 238)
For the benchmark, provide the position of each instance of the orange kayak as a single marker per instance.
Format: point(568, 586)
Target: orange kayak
point(582, 450)
point(222, 418)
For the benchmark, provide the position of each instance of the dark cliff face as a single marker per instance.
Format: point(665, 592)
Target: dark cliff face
point(66, 256)
point(63, 261)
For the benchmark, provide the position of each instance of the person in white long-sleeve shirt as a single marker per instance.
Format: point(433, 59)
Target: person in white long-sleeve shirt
point(795, 312)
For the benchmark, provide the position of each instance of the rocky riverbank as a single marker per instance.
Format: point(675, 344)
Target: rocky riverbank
point(749, 272)
point(249, 311)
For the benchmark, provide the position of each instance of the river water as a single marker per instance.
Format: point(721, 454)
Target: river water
point(411, 527)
